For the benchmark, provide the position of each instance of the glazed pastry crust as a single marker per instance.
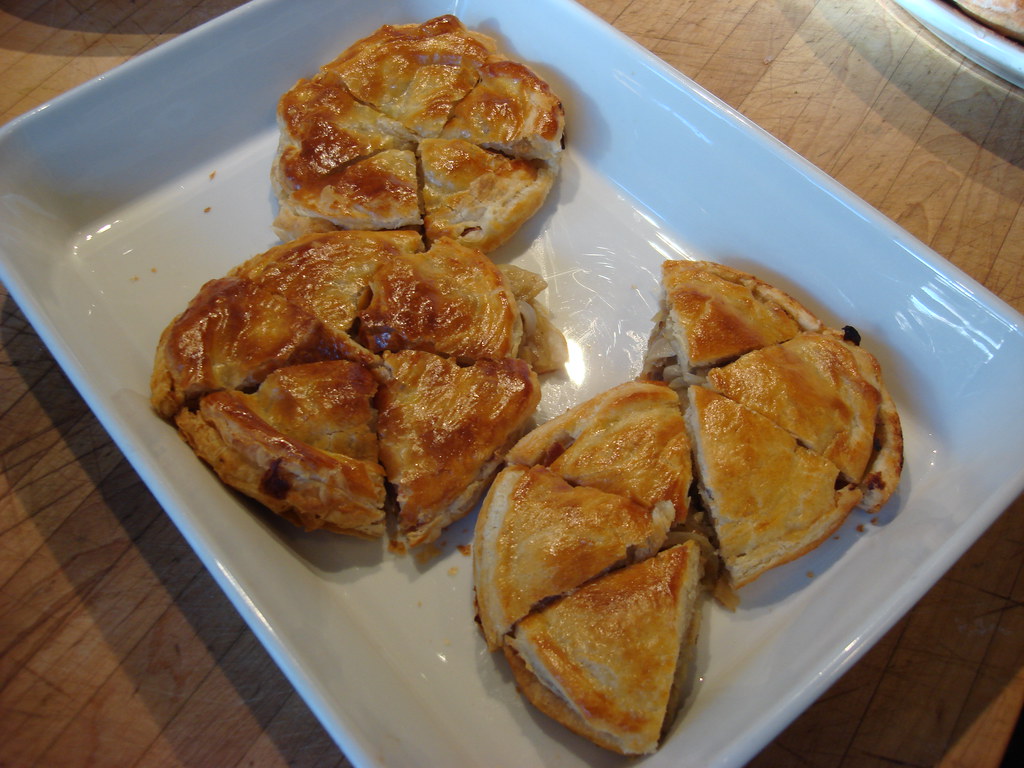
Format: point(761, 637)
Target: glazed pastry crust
point(329, 274)
point(341, 161)
point(443, 429)
point(824, 391)
point(355, 150)
point(477, 196)
point(511, 111)
point(770, 499)
point(415, 73)
point(306, 485)
point(451, 300)
point(713, 314)
point(538, 537)
point(231, 335)
point(603, 659)
point(630, 440)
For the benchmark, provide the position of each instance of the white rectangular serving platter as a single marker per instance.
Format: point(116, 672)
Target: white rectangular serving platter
point(119, 199)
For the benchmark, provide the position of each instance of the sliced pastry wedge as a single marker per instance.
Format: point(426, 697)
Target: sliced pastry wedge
point(303, 445)
point(341, 162)
point(510, 110)
point(712, 314)
point(415, 73)
point(828, 393)
point(770, 499)
point(538, 537)
point(443, 430)
point(630, 440)
point(451, 300)
point(610, 660)
point(232, 334)
point(478, 196)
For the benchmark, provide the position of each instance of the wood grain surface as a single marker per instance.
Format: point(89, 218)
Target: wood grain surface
point(118, 649)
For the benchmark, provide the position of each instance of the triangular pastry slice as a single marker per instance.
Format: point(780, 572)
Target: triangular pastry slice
point(511, 111)
point(302, 445)
point(443, 429)
point(329, 274)
point(630, 440)
point(824, 391)
point(610, 659)
point(341, 161)
point(376, 192)
point(232, 334)
point(712, 314)
point(451, 300)
point(538, 537)
point(770, 499)
point(478, 197)
point(415, 73)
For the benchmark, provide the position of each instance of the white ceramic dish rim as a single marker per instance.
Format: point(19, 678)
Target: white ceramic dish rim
point(982, 45)
point(639, 69)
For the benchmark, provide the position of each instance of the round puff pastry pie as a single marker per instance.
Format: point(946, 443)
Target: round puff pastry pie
point(752, 433)
point(345, 374)
point(424, 126)
point(791, 424)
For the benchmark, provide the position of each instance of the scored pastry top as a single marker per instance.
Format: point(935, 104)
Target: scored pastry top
point(420, 125)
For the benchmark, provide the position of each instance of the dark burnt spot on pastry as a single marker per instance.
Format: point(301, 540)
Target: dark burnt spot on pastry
point(274, 482)
point(851, 335)
point(874, 482)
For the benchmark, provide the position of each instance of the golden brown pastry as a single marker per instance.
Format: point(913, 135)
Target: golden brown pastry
point(478, 196)
point(828, 393)
point(608, 660)
point(538, 537)
point(747, 339)
point(451, 300)
point(355, 149)
point(630, 440)
point(510, 110)
point(231, 335)
point(823, 390)
point(328, 167)
point(302, 445)
point(1004, 16)
point(770, 499)
point(712, 314)
point(415, 73)
point(329, 274)
point(443, 428)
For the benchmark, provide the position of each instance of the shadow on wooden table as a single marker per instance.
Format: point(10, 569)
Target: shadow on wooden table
point(50, 26)
point(928, 675)
point(106, 603)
